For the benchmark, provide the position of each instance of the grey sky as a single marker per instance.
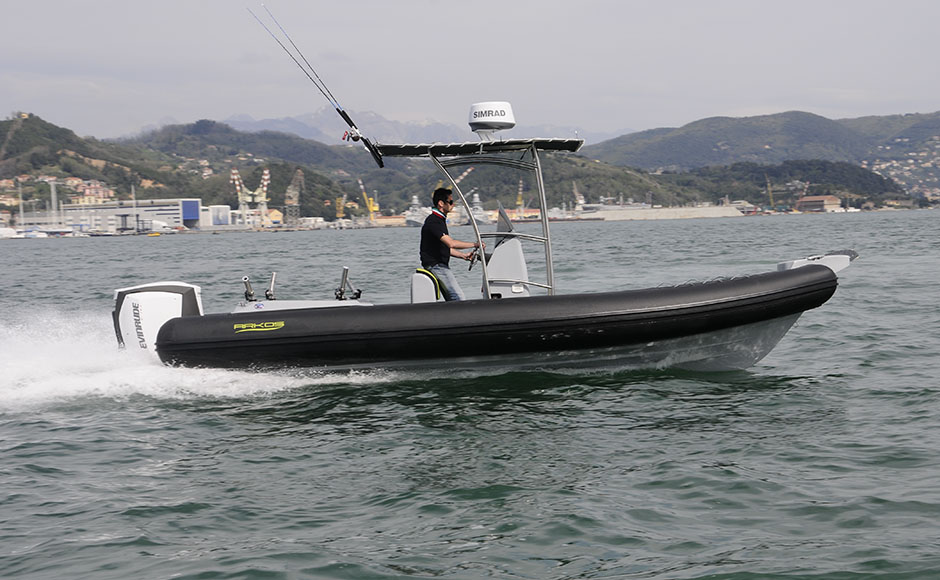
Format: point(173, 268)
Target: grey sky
point(107, 68)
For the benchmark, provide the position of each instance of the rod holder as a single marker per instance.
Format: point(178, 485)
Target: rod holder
point(269, 293)
point(340, 292)
point(344, 283)
point(249, 293)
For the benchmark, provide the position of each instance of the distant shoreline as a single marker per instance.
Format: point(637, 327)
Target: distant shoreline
point(638, 214)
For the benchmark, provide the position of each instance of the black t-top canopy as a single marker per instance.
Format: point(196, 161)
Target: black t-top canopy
point(446, 149)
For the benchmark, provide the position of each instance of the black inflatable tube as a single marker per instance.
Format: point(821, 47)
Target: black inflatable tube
point(406, 332)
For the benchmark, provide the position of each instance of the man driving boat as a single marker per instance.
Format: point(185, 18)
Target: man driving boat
point(437, 246)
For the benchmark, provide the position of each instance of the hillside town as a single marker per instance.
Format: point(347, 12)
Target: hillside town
point(77, 191)
point(917, 168)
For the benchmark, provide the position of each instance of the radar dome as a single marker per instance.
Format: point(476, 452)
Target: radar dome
point(485, 118)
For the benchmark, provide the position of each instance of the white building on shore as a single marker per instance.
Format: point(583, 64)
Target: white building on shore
point(148, 215)
point(119, 216)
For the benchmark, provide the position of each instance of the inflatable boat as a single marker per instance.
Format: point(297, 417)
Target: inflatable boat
point(516, 323)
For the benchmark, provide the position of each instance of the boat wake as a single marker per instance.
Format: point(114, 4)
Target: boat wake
point(54, 357)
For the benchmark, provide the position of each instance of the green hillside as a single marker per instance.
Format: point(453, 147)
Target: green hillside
point(905, 148)
point(782, 184)
point(724, 140)
point(882, 129)
point(31, 146)
point(219, 142)
point(171, 162)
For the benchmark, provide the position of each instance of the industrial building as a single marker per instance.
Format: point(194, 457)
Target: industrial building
point(150, 215)
point(127, 216)
point(123, 216)
point(819, 204)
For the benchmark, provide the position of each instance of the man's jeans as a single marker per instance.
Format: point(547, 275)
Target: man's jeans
point(451, 289)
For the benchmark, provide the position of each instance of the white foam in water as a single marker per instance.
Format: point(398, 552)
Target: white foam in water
point(49, 357)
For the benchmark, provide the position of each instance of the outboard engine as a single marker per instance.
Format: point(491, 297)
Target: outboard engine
point(140, 311)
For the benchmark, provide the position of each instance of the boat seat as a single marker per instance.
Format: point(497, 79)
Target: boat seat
point(425, 287)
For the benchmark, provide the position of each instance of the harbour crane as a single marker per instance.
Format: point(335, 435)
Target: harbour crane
point(440, 182)
point(520, 203)
point(246, 196)
point(292, 199)
point(372, 206)
point(770, 192)
point(578, 197)
point(464, 174)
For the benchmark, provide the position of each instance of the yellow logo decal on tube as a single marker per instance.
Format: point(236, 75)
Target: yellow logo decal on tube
point(258, 326)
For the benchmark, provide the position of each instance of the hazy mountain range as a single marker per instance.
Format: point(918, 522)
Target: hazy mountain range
point(326, 126)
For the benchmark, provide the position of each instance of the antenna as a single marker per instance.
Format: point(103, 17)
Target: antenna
point(490, 117)
point(297, 56)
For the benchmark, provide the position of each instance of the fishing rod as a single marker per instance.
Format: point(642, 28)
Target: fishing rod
point(353, 134)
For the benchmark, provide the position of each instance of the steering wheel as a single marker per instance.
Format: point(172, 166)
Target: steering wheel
point(475, 256)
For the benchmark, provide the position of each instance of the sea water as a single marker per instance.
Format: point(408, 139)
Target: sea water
point(822, 461)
